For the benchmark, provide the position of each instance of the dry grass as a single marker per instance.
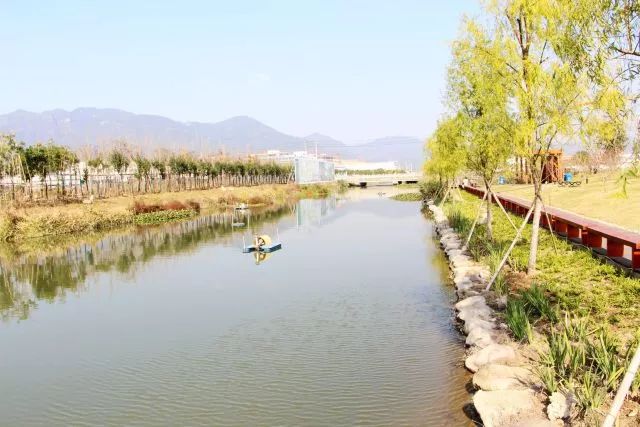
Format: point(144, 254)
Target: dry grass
point(599, 199)
point(140, 207)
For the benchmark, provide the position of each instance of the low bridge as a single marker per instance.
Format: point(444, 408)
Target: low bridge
point(376, 180)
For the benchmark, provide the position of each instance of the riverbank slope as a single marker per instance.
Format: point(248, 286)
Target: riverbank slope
point(575, 320)
point(41, 221)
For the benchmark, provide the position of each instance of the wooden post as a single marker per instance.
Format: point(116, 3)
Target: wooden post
point(635, 259)
point(561, 227)
point(595, 241)
point(573, 232)
point(614, 249)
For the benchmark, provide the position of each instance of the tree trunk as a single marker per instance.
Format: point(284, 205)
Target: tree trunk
point(535, 234)
point(489, 216)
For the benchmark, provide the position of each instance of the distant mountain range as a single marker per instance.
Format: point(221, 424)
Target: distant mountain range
point(237, 135)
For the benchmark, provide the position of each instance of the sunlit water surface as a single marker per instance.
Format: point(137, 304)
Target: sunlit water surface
point(350, 323)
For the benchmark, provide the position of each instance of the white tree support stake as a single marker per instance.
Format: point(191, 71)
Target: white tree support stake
point(502, 208)
point(610, 419)
point(553, 233)
point(513, 244)
point(473, 226)
point(444, 199)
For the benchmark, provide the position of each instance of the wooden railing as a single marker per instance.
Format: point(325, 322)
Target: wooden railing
point(620, 245)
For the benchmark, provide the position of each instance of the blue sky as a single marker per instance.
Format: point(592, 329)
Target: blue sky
point(351, 69)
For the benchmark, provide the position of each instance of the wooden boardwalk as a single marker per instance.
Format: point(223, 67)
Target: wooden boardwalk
point(618, 244)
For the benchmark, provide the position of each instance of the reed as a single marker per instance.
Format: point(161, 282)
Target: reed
point(518, 320)
point(538, 304)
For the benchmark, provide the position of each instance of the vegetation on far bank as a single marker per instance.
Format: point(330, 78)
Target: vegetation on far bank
point(38, 221)
point(46, 173)
point(579, 312)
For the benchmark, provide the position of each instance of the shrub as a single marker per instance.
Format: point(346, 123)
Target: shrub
point(163, 216)
point(431, 189)
point(140, 207)
point(259, 200)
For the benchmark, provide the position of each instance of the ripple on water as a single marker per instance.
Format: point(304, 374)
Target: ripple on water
point(358, 359)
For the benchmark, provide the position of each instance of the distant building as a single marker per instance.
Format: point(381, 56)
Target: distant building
point(307, 168)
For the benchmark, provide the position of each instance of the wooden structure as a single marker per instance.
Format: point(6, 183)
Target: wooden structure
point(552, 170)
point(620, 245)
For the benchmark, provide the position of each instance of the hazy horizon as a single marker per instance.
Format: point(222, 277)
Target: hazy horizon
point(354, 71)
point(3, 113)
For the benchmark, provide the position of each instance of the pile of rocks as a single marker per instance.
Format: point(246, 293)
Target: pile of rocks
point(506, 393)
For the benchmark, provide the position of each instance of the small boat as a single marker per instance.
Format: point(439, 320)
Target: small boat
point(241, 207)
point(262, 243)
point(265, 249)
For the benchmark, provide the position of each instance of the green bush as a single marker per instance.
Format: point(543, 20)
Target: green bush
point(163, 216)
point(432, 189)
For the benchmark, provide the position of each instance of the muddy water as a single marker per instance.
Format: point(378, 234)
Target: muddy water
point(350, 323)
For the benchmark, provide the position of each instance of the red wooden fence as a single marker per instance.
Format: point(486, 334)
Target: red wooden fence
point(618, 244)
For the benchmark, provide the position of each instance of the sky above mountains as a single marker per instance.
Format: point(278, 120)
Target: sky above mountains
point(355, 70)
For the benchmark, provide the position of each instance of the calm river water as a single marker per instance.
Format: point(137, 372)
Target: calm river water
point(350, 323)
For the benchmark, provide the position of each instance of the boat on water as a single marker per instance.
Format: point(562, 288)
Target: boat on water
point(262, 243)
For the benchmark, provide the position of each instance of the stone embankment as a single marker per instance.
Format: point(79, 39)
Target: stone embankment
point(507, 394)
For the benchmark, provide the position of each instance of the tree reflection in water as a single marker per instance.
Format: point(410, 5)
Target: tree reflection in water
point(46, 270)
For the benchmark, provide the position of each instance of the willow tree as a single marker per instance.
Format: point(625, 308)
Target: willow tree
point(479, 94)
point(604, 35)
point(445, 152)
point(548, 97)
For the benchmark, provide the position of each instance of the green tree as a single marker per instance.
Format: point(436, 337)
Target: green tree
point(143, 170)
point(479, 93)
point(549, 97)
point(445, 150)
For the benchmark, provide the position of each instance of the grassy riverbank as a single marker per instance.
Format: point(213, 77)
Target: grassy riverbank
point(578, 316)
point(24, 223)
point(601, 199)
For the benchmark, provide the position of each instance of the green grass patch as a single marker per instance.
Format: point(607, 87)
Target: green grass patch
point(163, 216)
point(572, 278)
point(407, 197)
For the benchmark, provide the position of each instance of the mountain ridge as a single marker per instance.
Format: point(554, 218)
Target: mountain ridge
point(236, 135)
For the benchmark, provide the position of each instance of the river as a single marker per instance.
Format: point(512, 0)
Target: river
point(349, 324)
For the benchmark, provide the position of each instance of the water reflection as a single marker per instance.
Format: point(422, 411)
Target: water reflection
point(311, 211)
point(27, 278)
point(174, 325)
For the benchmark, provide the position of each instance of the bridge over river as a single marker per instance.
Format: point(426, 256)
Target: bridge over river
point(382, 179)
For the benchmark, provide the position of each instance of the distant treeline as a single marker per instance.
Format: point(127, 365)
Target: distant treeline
point(54, 172)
